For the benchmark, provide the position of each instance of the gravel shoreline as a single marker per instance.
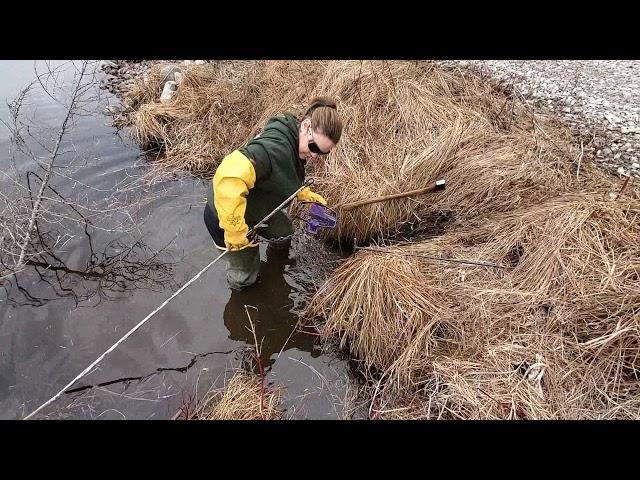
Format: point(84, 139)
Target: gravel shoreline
point(598, 99)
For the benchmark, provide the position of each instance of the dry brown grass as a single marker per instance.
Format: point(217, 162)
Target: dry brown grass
point(241, 399)
point(218, 107)
point(406, 124)
point(473, 340)
point(556, 335)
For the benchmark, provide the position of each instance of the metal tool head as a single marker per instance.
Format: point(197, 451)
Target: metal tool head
point(318, 216)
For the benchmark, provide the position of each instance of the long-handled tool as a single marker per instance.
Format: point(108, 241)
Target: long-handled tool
point(319, 216)
point(437, 185)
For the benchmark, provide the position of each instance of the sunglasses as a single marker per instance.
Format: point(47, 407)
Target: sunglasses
point(313, 146)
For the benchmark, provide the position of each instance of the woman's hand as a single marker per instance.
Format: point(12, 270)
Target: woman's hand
point(306, 195)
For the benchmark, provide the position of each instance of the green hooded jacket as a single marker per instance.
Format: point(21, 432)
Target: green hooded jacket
point(279, 170)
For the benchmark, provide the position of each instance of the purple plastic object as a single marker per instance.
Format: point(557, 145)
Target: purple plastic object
point(319, 216)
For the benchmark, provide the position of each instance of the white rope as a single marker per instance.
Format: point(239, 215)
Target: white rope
point(88, 369)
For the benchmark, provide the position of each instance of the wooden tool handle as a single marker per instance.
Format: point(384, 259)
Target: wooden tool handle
point(437, 185)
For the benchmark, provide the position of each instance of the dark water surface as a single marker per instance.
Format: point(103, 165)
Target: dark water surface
point(53, 324)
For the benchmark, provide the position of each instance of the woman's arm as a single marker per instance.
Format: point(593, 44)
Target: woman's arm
point(231, 183)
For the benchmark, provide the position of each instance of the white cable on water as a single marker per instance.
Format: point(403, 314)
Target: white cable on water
point(86, 370)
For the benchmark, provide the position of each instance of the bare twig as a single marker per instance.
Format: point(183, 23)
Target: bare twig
point(258, 359)
point(580, 158)
point(49, 166)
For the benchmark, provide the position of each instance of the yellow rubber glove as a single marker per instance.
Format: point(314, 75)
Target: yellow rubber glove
point(306, 195)
point(231, 183)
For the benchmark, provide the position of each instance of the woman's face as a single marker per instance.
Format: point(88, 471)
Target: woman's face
point(312, 143)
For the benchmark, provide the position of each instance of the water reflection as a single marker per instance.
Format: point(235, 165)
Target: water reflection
point(275, 325)
point(121, 265)
point(126, 381)
point(118, 268)
point(78, 258)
